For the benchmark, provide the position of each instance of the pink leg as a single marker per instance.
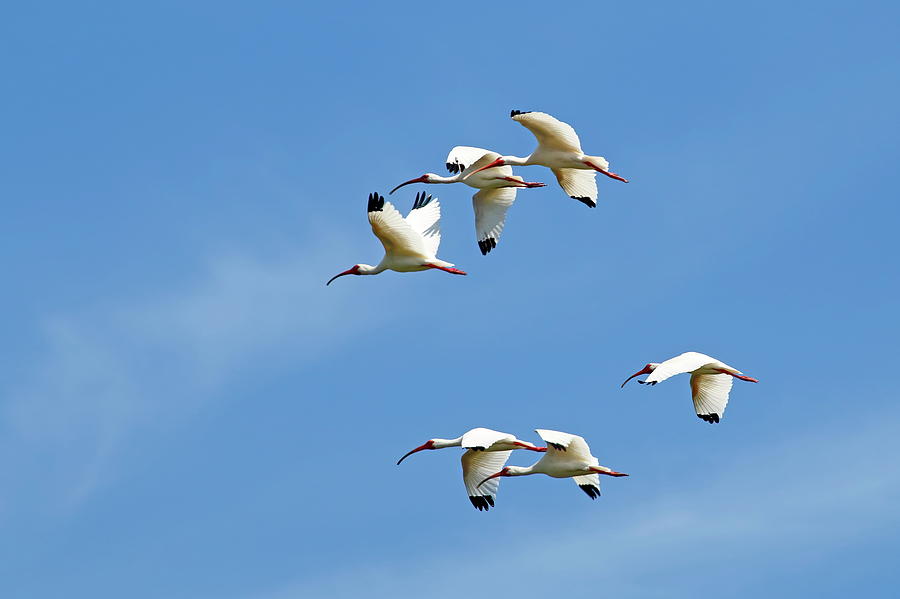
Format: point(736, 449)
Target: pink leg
point(610, 473)
point(740, 376)
point(529, 447)
point(609, 174)
point(454, 271)
point(528, 184)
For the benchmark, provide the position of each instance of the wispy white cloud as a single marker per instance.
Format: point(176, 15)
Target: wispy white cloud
point(104, 372)
point(775, 508)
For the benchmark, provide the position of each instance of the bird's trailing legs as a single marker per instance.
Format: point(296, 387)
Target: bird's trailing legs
point(607, 472)
point(528, 184)
point(740, 376)
point(529, 447)
point(609, 174)
point(454, 271)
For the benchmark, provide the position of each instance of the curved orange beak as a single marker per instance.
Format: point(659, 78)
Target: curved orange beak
point(416, 180)
point(645, 370)
point(498, 162)
point(427, 445)
point(352, 271)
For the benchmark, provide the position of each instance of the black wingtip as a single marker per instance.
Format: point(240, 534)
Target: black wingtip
point(422, 199)
point(482, 503)
point(376, 202)
point(486, 245)
point(456, 167)
point(589, 202)
point(592, 491)
point(513, 113)
point(710, 418)
point(557, 446)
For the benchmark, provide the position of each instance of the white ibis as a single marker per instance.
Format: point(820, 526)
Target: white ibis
point(711, 381)
point(487, 451)
point(559, 150)
point(410, 244)
point(568, 456)
point(497, 187)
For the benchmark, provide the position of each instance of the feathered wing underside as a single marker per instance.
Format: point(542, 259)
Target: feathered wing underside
point(477, 466)
point(589, 483)
point(551, 133)
point(490, 207)
point(425, 219)
point(686, 362)
point(578, 184)
point(482, 438)
point(462, 158)
point(710, 395)
point(394, 232)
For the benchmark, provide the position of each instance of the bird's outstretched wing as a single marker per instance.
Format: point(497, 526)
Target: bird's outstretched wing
point(394, 232)
point(710, 395)
point(551, 133)
point(579, 184)
point(686, 362)
point(478, 465)
point(589, 483)
point(490, 207)
point(482, 438)
point(462, 158)
point(565, 445)
point(425, 219)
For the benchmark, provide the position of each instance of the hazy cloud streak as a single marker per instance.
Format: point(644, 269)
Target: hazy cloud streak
point(105, 372)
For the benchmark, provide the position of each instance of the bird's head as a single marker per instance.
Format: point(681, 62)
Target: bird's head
point(647, 369)
point(354, 270)
point(426, 178)
point(429, 444)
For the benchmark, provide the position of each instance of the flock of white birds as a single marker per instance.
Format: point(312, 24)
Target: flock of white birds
point(411, 244)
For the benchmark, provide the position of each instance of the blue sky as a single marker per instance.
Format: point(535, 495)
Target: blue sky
point(187, 411)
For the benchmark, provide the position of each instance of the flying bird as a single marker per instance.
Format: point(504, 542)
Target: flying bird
point(711, 381)
point(497, 187)
point(568, 456)
point(559, 149)
point(486, 451)
point(410, 244)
